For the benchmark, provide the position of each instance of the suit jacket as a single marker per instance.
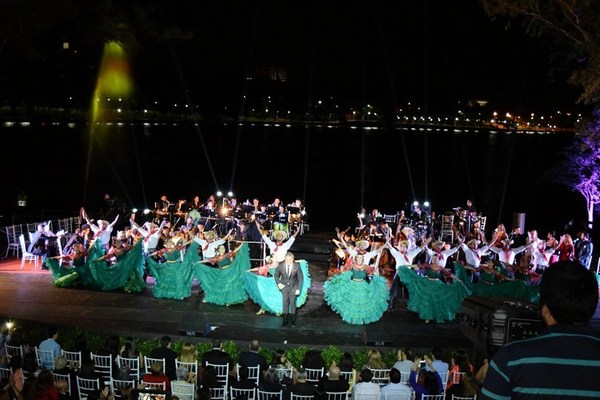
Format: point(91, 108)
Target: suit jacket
point(216, 356)
point(170, 356)
point(252, 359)
point(294, 280)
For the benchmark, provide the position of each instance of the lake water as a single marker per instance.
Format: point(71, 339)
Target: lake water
point(334, 169)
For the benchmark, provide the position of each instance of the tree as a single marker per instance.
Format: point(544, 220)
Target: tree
point(581, 168)
point(573, 29)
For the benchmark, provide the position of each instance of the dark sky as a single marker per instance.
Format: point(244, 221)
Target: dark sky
point(431, 53)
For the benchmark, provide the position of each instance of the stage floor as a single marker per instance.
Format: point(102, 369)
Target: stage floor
point(28, 295)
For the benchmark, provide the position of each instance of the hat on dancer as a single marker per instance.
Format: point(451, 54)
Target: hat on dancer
point(473, 242)
point(407, 231)
point(404, 243)
point(279, 235)
point(362, 244)
point(438, 244)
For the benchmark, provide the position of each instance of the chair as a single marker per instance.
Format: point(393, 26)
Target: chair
point(349, 376)
point(12, 241)
point(245, 394)
point(222, 371)
point(133, 364)
point(447, 227)
point(63, 377)
point(456, 377)
point(253, 373)
point(455, 397)
point(294, 396)
point(190, 366)
point(398, 396)
point(337, 395)
point(284, 373)
point(44, 359)
point(444, 377)
point(482, 221)
point(404, 377)
point(117, 386)
point(264, 395)
point(148, 361)
point(366, 396)
point(13, 351)
point(380, 376)
point(27, 256)
point(433, 396)
point(314, 374)
point(155, 385)
point(86, 386)
point(73, 358)
point(218, 393)
point(183, 390)
point(102, 365)
point(5, 373)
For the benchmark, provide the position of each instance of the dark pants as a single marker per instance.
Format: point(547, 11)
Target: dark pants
point(289, 300)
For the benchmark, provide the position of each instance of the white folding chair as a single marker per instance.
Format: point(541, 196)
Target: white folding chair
point(44, 359)
point(183, 390)
point(102, 365)
point(133, 364)
point(433, 396)
point(13, 351)
point(5, 373)
point(155, 385)
point(222, 371)
point(349, 376)
point(380, 376)
point(27, 256)
point(337, 395)
point(148, 361)
point(314, 374)
point(294, 396)
point(397, 396)
point(12, 241)
point(283, 373)
point(63, 377)
point(264, 395)
point(218, 393)
point(86, 386)
point(444, 377)
point(253, 373)
point(244, 394)
point(117, 386)
point(73, 358)
point(455, 397)
point(190, 366)
point(404, 377)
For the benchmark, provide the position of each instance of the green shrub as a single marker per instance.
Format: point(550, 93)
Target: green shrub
point(331, 354)
point(296, 355)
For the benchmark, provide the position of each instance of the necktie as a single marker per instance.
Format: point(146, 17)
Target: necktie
point(289, 270)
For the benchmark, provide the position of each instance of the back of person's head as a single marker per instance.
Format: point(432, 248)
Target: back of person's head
point(243, 372)
point(461, 360)
point(216, 343)
point(395, 376)
point(437, 353)
point(254, 345)
point(156, 369)
point(16, 362)
point(165, 341)
point(374, 359)
point(334, 372)
point(347, 362)
point(271, 376)
point(301, 374)
point(52, 331)
point(430, 382)
point(313, 359)
point(181, 373)
point(124, 372)
point(278, 357)
point(570, 292)
point(410, 355)
point(366, 375)
point(60, 362)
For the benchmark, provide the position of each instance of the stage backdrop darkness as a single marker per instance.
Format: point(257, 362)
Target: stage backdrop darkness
point(335, 170)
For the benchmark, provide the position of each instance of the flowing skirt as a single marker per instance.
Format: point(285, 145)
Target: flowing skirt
point(174, 279)
point(357, 302)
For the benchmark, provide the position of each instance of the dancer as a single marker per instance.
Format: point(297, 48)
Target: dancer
point(280, 246)
point(403, 256)
point(358, 300)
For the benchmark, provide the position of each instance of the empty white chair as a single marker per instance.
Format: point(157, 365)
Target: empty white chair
point(85, 386)
point(264, 395)
point(245, 394)
point(27, 256)
point(183, 390)
point(12, 238)
point(102, 365)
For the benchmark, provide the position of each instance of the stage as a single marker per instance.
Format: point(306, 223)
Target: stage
point(28, 295)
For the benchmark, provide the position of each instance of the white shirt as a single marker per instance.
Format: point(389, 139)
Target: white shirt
point(473, 257)
point(209, 249)
point(404, 258)
point(395, 388)
point(280, 250)
point(508, 257)
point(365, 388)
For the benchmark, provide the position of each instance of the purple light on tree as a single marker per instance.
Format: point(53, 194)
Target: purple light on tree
point(581, 168)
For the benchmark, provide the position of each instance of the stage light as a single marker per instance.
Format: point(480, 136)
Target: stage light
point(134, 210)
point(9, 325)
point(219, 193)
point(146, 211)
point(415, 203)
point(230, 194)
point(426, 204)
point(361, 215)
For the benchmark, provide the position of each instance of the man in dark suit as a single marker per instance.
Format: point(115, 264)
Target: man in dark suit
point(216, 355)
point(251, 357)
point(164, 351)
point(289, 278)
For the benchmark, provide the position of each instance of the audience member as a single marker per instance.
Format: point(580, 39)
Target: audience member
point(425, 380)
point(157, 375)
point(395, 388)
point(364, 386)
point(243, 381)
point(52, 345)
point(165, 351)
point(374, 360)
point(300, 386)
point(252, 358)
point(568, 300)
point(332, 382)
point(271, 382)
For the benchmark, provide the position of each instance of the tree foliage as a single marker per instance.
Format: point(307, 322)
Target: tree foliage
point(573, 29)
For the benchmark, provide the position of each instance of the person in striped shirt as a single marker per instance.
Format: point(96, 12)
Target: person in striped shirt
point(563, 361)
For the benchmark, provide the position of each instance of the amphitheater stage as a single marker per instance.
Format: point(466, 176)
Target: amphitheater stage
point(28, 295)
